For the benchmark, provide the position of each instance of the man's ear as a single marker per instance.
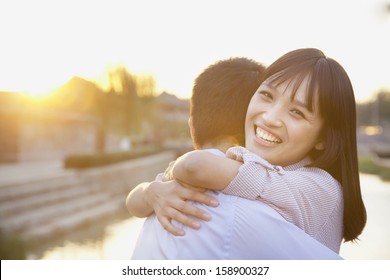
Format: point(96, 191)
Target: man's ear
point(190, 122)
point(191, 127)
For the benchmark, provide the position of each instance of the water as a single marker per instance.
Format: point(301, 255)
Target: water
point(113, 240)
point(374, 242)
point(116, 239)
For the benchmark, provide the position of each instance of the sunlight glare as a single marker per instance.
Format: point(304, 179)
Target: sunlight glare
point(34, 89)
point(36, 94)
point(31, 81)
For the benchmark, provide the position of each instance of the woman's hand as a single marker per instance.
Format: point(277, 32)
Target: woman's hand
point(169, 202)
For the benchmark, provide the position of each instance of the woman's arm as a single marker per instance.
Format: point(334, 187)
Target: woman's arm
point(204, 170)
point(168, 201)
point(137, 203)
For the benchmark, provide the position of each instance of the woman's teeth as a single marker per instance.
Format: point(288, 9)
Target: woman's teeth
point(266, 136)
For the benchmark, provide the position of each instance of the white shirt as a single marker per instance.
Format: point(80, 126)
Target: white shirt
point(239, 229)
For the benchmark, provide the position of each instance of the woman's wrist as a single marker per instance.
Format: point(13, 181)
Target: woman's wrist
point(150, 194)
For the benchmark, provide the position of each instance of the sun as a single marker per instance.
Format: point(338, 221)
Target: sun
point(35, 91)
point(42, 84)
point(37, 94)
point(33, 84)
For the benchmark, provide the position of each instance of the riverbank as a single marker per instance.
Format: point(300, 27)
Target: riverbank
point(42, 201)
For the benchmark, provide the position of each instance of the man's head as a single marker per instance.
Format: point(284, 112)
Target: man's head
point(220, 98)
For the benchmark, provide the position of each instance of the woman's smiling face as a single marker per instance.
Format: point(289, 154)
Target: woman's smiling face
point(279, 128)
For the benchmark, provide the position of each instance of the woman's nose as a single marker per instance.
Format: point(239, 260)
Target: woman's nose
point(272, 117)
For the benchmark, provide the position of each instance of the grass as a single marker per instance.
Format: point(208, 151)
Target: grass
point(367, 165)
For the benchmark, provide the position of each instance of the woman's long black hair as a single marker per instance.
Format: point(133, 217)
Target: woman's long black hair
point(331, 87)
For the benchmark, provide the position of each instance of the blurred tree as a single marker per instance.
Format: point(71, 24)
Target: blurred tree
point(124, 84)
point(137, 94)
point(383, 106)
point(375, 112)
point(146, 86)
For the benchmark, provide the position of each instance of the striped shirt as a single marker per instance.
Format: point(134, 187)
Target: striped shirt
point(308, 197)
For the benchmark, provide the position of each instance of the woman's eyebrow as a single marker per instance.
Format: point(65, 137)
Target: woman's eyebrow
point(295, 101)
point(269, 86)
point(303, 104)
point(300, 103)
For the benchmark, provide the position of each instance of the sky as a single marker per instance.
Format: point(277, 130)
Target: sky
point(45, 43)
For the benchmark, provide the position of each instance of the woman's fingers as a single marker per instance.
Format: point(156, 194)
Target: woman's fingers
point(166, 224)
point(185, 220)
point(185, 207)
point(199, 197)
point(172, 203)
point(190, 210)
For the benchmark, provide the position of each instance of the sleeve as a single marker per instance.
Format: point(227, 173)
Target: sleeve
point(253, 176)
point(300, 196)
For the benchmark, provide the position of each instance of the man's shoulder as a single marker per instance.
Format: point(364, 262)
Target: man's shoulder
point(215, 152)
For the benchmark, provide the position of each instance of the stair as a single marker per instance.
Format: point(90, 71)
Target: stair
point(47, 206)
point(54, 206)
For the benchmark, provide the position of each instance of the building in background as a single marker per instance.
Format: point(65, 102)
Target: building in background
point(31, 132)
point(80, 118)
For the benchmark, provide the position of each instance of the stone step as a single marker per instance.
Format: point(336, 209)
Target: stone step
point(68, 223)
point(38, 216)
point(41, 206)
point(25, 172)
point(19, 190)
point(19, 205)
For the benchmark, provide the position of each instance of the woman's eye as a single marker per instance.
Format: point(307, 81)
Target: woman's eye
point(298, 113)
point(266, 95)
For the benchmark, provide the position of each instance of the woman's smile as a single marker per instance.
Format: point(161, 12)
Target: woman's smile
point(267, 136)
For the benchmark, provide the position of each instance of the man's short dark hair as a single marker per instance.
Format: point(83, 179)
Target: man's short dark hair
point(220, 98)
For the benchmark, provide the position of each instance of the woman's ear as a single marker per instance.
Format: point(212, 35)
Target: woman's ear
point(320, 146)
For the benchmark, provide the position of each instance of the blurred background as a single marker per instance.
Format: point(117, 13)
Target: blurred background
point(94, 99)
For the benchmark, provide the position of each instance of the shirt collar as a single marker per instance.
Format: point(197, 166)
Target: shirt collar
point(300, 164)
